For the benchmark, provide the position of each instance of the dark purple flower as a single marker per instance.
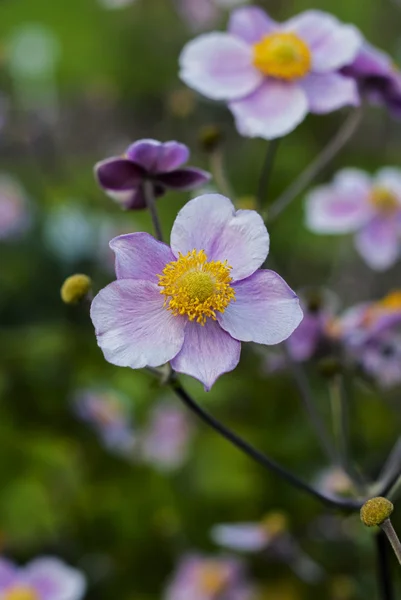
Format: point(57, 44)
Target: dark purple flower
point(378, 78)
point(122, 177)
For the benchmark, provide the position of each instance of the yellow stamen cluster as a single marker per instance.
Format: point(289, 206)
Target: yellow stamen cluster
point(212, 579)
point(282, 55)
point(195, 287)
point(384, 200)
point(275, 523)
point(376, 511)
point(391, 302)
point(21, 593)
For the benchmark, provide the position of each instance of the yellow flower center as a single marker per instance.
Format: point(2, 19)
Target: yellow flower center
point(391, 302)
point(384, 200)
point(275, 523)
point(195, 287)
point(212, 579)
point(21, 592)
point(282, 55)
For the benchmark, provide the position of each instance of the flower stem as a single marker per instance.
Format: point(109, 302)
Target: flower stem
point(219, 174)
point(266, 172)
point(340, 425)
point(259, 457)
point(316, 166)
point(147, 187)
point(389, 530)
point(384, 581)
point(310, 407)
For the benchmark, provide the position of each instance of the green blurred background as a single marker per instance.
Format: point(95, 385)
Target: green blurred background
point(79, 83)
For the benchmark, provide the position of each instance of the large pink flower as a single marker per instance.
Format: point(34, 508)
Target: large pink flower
point(273, 74)
point(368, 206)
point(194, 303)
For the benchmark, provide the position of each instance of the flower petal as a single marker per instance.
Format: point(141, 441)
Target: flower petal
point(273, 110)
point(140, 256)
point(207, 352)
point(8, 574)
point(242, 537)
point(250, 23)
point(333, 45)
point(329, 210)
point(53, 580)
point(118, 174)
point(265, 311)
point(330, 91)
point(133, 327)
point(145, 153)
point(184, 179)
point(390, 178)
point(171, 156)
point(219, 66)
point(378, 243)
point(211, 223)
point(303, 343)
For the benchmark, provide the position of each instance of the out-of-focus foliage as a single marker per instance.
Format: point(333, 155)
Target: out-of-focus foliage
point(78, 83)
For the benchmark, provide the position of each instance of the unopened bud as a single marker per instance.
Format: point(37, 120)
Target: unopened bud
point(330, 367)
point(376, 511)
point(210, 137)
point(75, 288)
point(246, 203)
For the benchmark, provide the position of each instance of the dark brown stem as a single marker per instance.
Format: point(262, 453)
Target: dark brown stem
point(147, 187)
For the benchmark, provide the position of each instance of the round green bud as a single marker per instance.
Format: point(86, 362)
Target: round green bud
point(210, 137)
point(375, 511)
point(75, 288)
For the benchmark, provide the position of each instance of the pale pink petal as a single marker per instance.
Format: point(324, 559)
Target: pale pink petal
point(211, 223)
point(330, 91)
point(333, 45)
point(53, 580)
point(354, 182)
point(171, 156)
point(219, 65)
point(207, 352)
point(273, 110)
point(265, 311)
point(8, 574)
point(390, 179)
point(133, 327)
point(332, 211)
point(378, 243)
point(245, 537)
point(251, 23)
point(140, 256)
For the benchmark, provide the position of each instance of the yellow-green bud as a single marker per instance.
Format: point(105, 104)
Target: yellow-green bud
point(376, 511)
point(75, 288)
point(210, 137)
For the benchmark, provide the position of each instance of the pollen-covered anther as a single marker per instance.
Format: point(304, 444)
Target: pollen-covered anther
point(282, 55)
point(196, 287)
point(375, 511)
point(384, 200)
point(75, 288)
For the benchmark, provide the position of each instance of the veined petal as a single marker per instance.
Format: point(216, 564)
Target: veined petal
point(329, 210)
point(118, 174)
point(53, 580)
point(207, 352)
point(333, 44)
point(265, 311)
point(219, 66)
point(133, 327)
point(378, 243)
point(330, 91)
point(273, 110)
point(251, 23)
point(171, 156)
point(140, 256)
point(145, 153)
point(211, 223)
point(184, 179)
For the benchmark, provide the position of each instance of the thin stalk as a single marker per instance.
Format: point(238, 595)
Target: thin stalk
point(310, 407)
point(256, 455)
point(147, 187)
point(390, 472)
point(385, 586)
point(340, 422)
point(219, 174)
point(392, 537)
point(265, 175)
point(316, 166)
